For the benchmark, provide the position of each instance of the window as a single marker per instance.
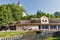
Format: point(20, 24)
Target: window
point(45, 20)
point(42, 20)
point(45, 27)
point(53, 27)
point(58, 26)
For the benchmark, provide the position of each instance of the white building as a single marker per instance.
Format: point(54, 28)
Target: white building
point(19, 4)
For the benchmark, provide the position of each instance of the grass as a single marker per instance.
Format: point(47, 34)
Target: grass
point(8, 34)
point(15, 33)
point(53, 38)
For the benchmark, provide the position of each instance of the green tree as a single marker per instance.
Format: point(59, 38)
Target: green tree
point(50, 15)
point(57, 14)
point(40, 14)
point(10, 13)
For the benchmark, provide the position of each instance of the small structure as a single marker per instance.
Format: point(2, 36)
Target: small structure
point(19, 4)
point(23, 13)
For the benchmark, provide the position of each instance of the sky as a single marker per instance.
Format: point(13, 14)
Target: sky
point(31, 6)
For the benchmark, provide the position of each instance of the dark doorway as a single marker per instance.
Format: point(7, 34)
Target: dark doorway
point(39, 27)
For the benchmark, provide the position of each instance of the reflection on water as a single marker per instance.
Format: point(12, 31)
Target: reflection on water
point(48, 36)
point(44, 35)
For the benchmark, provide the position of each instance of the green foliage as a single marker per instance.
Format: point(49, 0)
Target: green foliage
point(40, 14)
point(57, 14)
point(10, 13)
point(50, 15)
point(26, 17)
point(15, 33)
point(29, 17)
point(8, 34)
point(53, 38)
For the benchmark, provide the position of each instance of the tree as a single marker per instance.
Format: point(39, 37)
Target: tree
point(10, 13)
point(57, 14)
point(40, 14)
point(50, 15)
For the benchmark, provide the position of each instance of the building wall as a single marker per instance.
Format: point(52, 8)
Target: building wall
point(31, 27)
point(19, 27)
point(44, 20)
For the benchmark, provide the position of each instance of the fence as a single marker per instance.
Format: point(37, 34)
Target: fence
point(12, 37)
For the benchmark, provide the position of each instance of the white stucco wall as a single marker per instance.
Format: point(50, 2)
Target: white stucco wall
point(27, 27)
point(19, 28)
point(44, 18)
point(32, 27)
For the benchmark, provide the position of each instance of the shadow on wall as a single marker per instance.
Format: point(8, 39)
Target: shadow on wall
point(3, 28)
point(6, 28)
